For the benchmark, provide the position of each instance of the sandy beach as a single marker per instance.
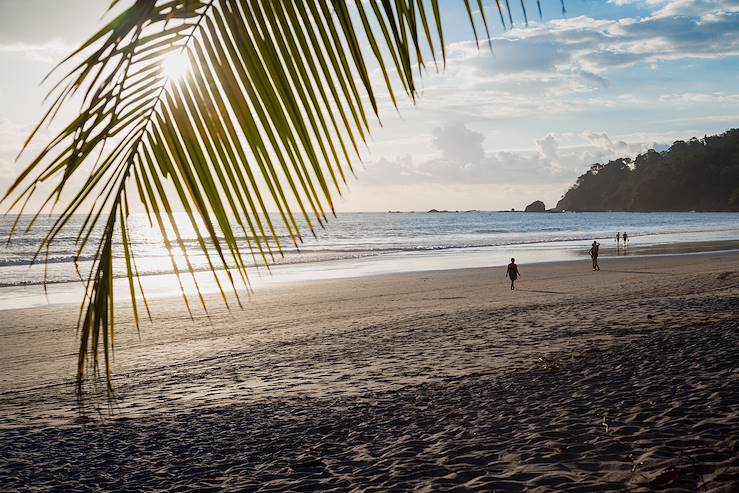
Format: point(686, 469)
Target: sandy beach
point(623, 379)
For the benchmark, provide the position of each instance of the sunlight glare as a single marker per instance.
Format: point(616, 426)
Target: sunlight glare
point(176, 65)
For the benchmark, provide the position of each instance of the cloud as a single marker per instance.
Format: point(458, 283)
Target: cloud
point(576, 54)
point(16, 47)
point(682, 7)
point(549, 147)
point(689, 98)
point(564, 67)
point(40, 21)
point(458, 144)
point(10, 136)
point(462, 159)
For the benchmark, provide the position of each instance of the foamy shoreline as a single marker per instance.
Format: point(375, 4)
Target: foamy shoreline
point(624, 378)
point(34, 294)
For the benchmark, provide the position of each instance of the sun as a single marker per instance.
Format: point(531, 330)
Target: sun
point(176, 65)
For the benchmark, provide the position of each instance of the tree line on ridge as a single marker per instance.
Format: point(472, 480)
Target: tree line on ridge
point(693, 175)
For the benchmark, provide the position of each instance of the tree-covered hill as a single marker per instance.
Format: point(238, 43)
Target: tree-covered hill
point(697, 175)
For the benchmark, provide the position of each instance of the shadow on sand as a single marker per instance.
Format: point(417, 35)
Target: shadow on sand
point(634, 272)
point(544, 292)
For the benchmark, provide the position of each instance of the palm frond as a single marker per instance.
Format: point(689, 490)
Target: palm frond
point(274, 106)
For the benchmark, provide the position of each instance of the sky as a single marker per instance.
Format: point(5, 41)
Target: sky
point(492, 131)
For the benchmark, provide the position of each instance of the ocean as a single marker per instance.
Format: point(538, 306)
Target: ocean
point(357, 244)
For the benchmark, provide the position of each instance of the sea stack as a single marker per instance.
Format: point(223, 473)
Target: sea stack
point(536, 206)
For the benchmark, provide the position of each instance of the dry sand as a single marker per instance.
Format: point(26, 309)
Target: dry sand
point(623, 379)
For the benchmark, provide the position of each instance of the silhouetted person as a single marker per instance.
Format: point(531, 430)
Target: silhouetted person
point(593, 252)
point(618, 239)
point(512, 272)
point(626, 238)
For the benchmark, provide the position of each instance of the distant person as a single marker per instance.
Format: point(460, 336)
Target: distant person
point(626, 238)
point(512, 272)
point(618, 238)
point(593, 252)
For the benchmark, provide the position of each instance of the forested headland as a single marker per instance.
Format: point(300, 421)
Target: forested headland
point(693, 175)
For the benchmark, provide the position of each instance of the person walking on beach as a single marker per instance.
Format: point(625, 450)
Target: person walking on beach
point(512, 272)
point(626, 238)
point(618, 239)
point(593, 252)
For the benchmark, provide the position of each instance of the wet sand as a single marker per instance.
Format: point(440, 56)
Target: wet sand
point(621, 379)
